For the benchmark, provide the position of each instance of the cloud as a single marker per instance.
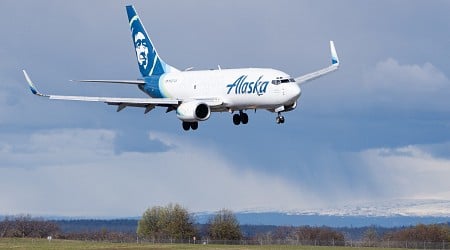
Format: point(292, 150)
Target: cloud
point(412, 171)
point(417, 171)
point(408, 86)
point(56, 148)
point(391, 75)
point(77, 172)
point(387, 86)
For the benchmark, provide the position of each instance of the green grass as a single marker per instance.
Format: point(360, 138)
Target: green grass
point(19, 243)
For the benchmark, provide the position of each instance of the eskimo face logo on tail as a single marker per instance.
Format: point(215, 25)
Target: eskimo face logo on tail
point(145, 54)
point(242, 86)
point(141, 46)
point(147, 57)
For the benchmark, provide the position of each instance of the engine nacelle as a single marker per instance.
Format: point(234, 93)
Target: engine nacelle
point(290, 107)
point(193, 111)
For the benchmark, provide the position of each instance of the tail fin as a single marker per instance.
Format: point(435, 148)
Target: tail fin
point(149, 62)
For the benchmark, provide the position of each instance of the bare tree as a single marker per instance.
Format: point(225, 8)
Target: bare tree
point(5, 226)
point(26, 226)
point(370, 237)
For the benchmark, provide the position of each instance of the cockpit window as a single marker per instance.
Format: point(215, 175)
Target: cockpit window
point(276, 82)
point(281, 80)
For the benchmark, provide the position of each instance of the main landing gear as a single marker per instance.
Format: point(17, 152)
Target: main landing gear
point(190, 125)
point(280, 118)
point(240, 118)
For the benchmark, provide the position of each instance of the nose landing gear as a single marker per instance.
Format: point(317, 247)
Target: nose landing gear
point(279, 119)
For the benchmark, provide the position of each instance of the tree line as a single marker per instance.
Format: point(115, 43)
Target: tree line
point(26, 226)
point(427, 233)
point(174, 222)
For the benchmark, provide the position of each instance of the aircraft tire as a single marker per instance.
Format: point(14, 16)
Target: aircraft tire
point(244, 118)
point(279, 119)
point(186, 126)
point(236, 119)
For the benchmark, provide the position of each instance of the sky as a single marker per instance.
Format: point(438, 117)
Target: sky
point(377, 129)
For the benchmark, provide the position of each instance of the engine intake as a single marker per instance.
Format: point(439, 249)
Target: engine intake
point(193, 111)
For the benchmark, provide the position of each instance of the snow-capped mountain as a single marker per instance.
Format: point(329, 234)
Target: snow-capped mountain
point(404, 207)
point(391, 213)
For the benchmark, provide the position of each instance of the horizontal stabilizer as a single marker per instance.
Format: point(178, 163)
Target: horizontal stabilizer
point(136, 82)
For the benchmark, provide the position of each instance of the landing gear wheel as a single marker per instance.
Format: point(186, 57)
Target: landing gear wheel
point(244, 118)
point(186, 126)
point(190, 125)
point(279, 119)
point(194, 125)
point(240, 118)
point(236, 119)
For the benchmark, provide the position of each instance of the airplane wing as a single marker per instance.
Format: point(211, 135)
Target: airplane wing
point(121, 103)
point(147, 103)
point(316, 74)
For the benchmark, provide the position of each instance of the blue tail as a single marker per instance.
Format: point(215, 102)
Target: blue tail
point(150, 64)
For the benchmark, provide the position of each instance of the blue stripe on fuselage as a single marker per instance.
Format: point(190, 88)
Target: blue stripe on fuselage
point(152, 87)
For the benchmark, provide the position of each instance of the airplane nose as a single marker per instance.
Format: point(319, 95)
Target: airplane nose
point(295, 91)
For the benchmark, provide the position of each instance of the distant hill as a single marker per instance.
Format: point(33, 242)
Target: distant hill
point(93, 225)
point(285, 219)
point(392, 213)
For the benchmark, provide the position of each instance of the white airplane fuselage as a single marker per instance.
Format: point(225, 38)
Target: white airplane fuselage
point(238, 89)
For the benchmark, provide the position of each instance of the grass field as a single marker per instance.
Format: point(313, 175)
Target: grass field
point(19, 243)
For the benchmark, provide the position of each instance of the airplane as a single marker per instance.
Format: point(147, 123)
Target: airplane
point(195, 94)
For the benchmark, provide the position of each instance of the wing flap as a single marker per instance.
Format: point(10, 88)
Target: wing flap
point(117, 100)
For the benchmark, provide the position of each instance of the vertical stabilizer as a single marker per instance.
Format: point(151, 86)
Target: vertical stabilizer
point(150, 64)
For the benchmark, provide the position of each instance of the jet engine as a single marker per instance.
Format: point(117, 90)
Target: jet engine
point(193, 111)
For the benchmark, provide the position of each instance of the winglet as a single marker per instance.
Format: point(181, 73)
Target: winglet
point(33, 88)
point(334, 56)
